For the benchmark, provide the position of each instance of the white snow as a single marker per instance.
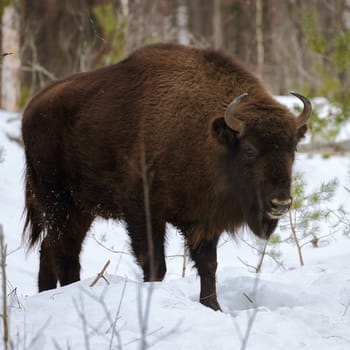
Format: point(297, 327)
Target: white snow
point(299, 308)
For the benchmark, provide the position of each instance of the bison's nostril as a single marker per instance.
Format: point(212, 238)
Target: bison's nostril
point(281, 205)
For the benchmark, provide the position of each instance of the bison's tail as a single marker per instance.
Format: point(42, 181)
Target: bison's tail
point(34, 226)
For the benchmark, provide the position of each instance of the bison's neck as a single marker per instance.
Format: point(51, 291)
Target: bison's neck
point(218, 203)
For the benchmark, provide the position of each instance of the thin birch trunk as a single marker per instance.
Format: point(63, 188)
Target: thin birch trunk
point(11, 65)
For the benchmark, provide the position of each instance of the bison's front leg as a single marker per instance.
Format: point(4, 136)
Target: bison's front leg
point(137, 228)
point(204, 256)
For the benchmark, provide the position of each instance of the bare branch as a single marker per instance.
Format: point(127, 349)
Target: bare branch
point(339, 337)
point(183, 256)
point(114, 324)
point(39, 332)
point(346, 308)
point(4, 316)
point(81, 312)
point(101, 274)
point(248, 297)
point(184, 262)
point(146, 197)
point(35, 67)
point(112, 321)
point(329, 148)
point(144, 316)
point(253, 268)
point(6, 54)
point(279, 264)
point(109, 249)
point(252, 316)
point(311, 241)
point(295, 237)
point(262, 255)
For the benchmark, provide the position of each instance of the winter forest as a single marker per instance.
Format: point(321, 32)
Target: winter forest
point(291, 291)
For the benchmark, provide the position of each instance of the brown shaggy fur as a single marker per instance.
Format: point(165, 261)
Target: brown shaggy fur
point(83, 140)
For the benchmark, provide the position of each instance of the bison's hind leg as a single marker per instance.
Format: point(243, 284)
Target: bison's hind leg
point(47, 275)
point(60, 250)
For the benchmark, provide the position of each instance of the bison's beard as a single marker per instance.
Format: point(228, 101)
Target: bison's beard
point(258, 221)
point(262, 227)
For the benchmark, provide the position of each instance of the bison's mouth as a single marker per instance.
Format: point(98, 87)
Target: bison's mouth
point(274, 215)
point(276, 211)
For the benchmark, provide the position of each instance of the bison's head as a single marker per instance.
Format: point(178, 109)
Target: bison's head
point(260, 140)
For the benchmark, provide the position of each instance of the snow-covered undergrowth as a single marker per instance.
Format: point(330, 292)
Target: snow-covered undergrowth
point(297, 308)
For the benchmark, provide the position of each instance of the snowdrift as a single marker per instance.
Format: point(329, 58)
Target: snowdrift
point(298, 307)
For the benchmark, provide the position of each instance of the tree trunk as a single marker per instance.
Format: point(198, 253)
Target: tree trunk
point(183, 36)
point(217, 25)
point(150, 22)
point(11, 65)
point(259, 37)
point(346, 14)
point(201, 21)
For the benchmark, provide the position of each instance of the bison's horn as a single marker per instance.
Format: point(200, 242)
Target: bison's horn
point(305, 114)
point(231, 121)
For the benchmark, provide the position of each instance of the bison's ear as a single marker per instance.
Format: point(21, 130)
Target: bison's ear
point(222, 133)
point(301, 132)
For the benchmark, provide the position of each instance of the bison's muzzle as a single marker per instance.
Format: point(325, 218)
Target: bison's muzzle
point(278, 207)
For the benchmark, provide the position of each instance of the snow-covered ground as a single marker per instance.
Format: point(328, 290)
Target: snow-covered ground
point(297, 308)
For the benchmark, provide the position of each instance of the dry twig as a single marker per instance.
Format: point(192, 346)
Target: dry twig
point(325, 148)
point(144, 316)
point(184, 262)
point(148, 215)
point(6, 54)
point(263, 253)
point(279, 263)
point(101, 275)
point(346, 308)
point(248, 297)
point(295, 237)
point(4, 316)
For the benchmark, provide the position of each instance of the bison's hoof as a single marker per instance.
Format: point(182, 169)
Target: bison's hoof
point(211, 302)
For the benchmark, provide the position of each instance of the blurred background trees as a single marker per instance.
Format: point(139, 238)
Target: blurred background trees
point(291, 45)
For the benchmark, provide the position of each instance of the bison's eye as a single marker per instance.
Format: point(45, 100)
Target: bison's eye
point(250, 152)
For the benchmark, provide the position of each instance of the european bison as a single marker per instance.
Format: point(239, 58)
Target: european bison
point(163, 114)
